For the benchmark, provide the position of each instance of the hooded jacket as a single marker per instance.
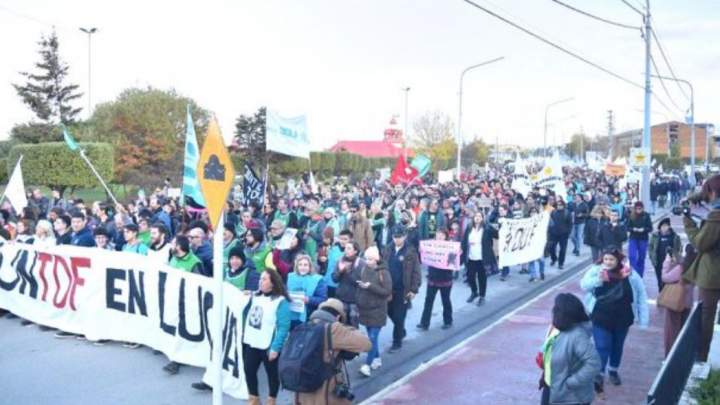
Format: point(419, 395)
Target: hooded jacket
point(372, 301)
point(574, 363)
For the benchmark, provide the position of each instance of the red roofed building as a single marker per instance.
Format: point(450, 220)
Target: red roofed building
point(391, 146)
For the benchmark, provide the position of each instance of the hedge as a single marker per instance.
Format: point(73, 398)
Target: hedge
point(54, 164)
point(325, 164)
point(4, 173)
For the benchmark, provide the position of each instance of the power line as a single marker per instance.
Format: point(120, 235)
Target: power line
point(596, 17)
point(667, 62)
point(633, 7)
point(30, 18)
point(554, 45)
point(662, 81)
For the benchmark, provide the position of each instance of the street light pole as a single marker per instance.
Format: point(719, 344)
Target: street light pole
point(459, 131)
point(405, 131)
point(89, 32)
point(546, 123)
point(646, 143)
point(692, 117)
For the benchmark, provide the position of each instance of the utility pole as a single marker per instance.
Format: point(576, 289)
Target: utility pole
point(89, 32)
point(645, 184)
point(611, 128)
point(405, 133)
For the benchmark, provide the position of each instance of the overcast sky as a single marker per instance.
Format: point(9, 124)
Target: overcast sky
point(343, 63)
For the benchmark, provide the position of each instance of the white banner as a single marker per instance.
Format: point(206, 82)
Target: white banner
point(445, 176)
point(124, 297)
point(288, 136)
point(522, 240)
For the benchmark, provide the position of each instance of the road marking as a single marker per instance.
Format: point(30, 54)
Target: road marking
point(443, 356)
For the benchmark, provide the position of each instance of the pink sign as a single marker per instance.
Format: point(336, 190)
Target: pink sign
point(440, 254)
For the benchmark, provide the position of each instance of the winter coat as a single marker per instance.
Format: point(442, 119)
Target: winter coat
point(362, 232)
point(591, 233)
point(372, 301)
point(412, 276)
point(574, 363)
point(343, 338)
point(83, 238)
point(424, 223)
point(653, 246)
point(561, 223)
point(347, 280)
point(592, 280)
point(704, 271)
point(642, 221)
point(612, 237)
point(488, 254)
point(204, 252)
point(581, 212)
point(671, 274)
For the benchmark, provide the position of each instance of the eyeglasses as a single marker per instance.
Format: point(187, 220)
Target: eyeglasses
point(193, 237)
point(353, 211)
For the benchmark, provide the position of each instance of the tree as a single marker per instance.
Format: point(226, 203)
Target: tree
point(45, 92)
point(573, 148)
point(36, 132)
point(147, 127)
point(250, 141)
point(476, 152)
point(433, 135)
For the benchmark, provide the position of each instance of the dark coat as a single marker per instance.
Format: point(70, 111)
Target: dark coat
point(83, 238)
point(612, 237)
point(204, 252)
point(372, 301)
point(642, 221)
point(412, 276)
point(561, 223)
point(347, 281)
point(424, 223)
point(489, 233)
point(591, 234)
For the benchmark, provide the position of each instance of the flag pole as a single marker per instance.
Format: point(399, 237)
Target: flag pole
point(82, 154)
point(404, 190)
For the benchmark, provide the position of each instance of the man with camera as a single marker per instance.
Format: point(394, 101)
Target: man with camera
point(704, 271)
point(345, 344)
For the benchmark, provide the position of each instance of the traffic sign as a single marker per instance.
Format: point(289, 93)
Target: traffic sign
point(215, 172)
point(640, 157)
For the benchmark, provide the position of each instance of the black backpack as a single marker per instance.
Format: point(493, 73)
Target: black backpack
point(302, 367)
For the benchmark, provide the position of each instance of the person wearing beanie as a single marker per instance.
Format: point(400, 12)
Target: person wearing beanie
point(241, 272)
point(662, 241)
point(257, 251)
point(639, 225)
point(229, 242)
point(375, 287)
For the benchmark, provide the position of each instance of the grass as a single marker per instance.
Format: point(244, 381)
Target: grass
point(708, 391)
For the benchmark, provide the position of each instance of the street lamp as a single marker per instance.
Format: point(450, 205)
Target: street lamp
point(546, 123)
point(692, 119)
point(405, 131)
point(89, 32)
point(459, 134)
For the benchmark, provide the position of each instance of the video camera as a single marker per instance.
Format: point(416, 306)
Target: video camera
point(683, 209)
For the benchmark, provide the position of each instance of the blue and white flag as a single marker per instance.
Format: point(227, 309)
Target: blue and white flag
point(190, 186)
point(288, 136)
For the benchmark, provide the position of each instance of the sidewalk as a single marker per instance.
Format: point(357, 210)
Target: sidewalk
point(497, 365)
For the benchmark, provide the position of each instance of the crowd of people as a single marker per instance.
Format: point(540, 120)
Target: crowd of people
point(354, 259)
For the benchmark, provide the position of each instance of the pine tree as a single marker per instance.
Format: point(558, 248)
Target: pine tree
point(250, 137)
point(45, 91)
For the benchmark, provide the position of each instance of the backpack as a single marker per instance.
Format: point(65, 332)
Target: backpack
point(302, 366)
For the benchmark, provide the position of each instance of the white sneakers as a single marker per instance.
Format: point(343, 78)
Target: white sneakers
point(376, 364)
point(365, 370)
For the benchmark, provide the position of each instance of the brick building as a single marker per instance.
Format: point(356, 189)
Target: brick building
point(662, 135)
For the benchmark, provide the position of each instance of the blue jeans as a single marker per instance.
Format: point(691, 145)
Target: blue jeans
point(373, 333)
point(577, 236)
point(535, 265)
point(637, 252)
point(609, 344)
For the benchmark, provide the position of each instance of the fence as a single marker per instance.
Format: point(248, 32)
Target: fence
point(670, 381)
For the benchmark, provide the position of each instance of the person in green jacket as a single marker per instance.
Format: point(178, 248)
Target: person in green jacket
point(144, 232)
point(229, 242)
point(183, 258)
point(255, 248)
point(704, 271)
point(241, 272)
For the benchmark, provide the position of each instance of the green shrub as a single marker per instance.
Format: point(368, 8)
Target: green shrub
point(53, 164)
point(4, 173)
point(673, 163)
point(708, 391)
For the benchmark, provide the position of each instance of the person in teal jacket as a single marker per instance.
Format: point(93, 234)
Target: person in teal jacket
point(334, 256)
point(305, 282)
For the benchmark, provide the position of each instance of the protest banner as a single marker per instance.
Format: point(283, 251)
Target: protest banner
point(522, 240)
point(440, 254)
point(484, 202)
point(286, 239)
point(125, 297)
point(445, 176)
point(253, 187)
point(288, 136)
point(297, 301)
point(612, 169)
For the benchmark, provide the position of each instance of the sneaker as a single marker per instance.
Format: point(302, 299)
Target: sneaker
point(576, 253)
point(472, 298)
point(481, 301)
point(131, 345)
point(25, 322)
point(80, 337)
point(172, 368)
point(101, 342)
point(552, 263)
point(376, 364)
point(422, 327)
point(396, 347)
point(524, 271)
point(45, 328)
point(446, 326)
point(532, 279)
point(201, 386)
point(614, 378)
point(65, 335)
point(562, 266)
point(542, 277)
point(365, 370)
point(502, 278)
point(599, 383)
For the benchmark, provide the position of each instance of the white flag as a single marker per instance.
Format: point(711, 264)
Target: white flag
point(313, 185)
point(288, 136)
point(15, 190)
point(521, 179)
point(551, 176)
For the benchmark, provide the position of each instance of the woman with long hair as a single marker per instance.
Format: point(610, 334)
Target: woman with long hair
point(568, 358)
point(478, 256)
point(307, 288)
point(672, 271)
point(616, 299)
point(267, 325)
point(375, 288)
point(439, 280)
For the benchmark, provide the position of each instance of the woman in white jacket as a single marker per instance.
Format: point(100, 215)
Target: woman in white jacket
point(44, 236)
point(616, 298)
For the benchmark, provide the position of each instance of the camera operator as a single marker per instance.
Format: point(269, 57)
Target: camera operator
point(346, 343)
point(704, 271)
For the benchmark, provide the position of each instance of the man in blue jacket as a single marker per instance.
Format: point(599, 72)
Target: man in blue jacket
point(82, 235)
point(202, 249)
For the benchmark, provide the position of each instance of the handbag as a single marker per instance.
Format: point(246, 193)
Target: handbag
point(672, 297)
point(612, 295)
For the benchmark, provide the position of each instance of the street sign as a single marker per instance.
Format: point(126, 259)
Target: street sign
point(215, 172)
point(640, 157)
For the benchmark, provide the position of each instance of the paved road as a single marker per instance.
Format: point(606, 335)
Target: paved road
point(36, 368)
